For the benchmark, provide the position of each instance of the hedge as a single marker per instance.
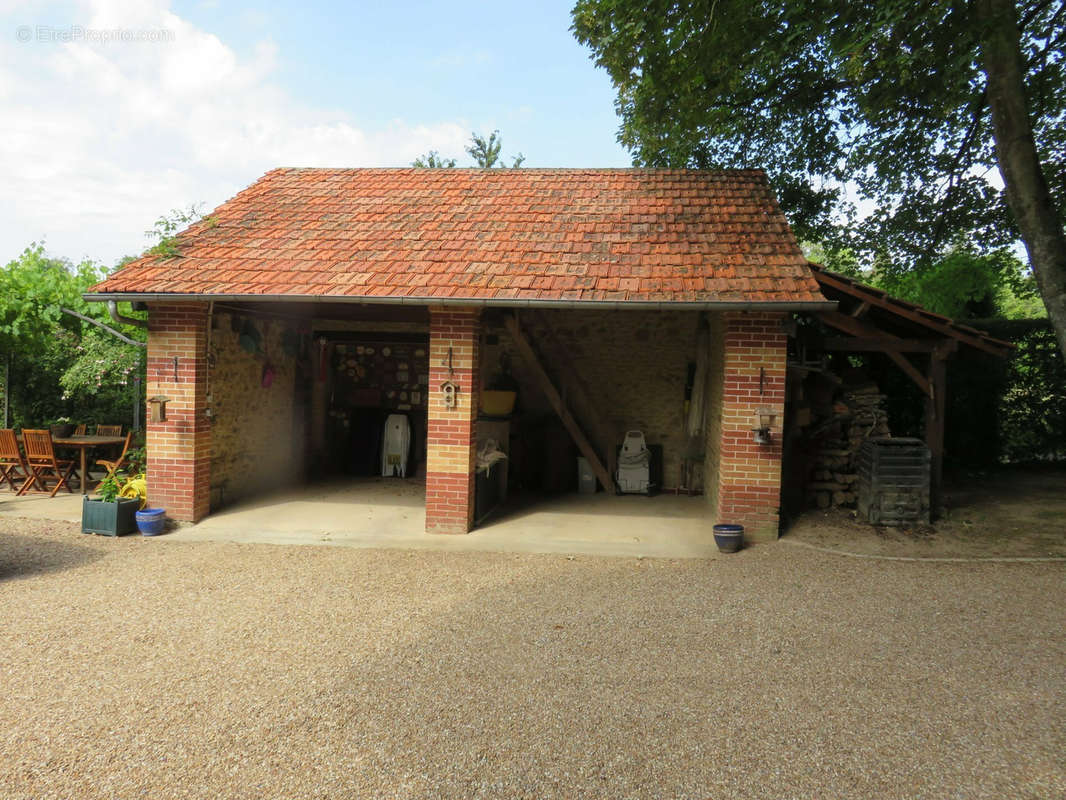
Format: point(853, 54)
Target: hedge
point(998, 410)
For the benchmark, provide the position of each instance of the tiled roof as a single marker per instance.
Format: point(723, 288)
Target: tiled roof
point(495, 236)
point(840, 287)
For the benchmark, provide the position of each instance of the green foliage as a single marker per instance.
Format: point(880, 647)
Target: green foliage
point(1032, 411)
point(841, 260)
point(102, 371)
point(485, 152)
point(999, 411)
point(110, 486)
point(44, 344)
point(169, 227)
point(1009, 411)
point(138, 458)
point(433, 160)
point(33, 290)
point(886, 97)
point(966, 285)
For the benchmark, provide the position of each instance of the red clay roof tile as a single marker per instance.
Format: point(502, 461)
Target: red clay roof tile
point(525, 234)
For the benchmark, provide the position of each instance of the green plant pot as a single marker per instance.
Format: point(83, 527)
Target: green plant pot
point(109, 519)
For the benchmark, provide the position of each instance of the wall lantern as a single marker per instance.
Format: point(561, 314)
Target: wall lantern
point(158, 408)
point(764, 421)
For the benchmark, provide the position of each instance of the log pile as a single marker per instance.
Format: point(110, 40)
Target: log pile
point(859, 414)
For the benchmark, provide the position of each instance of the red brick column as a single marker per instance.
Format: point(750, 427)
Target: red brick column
point(749, 474)
point(179, 449)
point(451, 433)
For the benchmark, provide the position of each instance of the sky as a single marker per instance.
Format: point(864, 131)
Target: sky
point(114, 112)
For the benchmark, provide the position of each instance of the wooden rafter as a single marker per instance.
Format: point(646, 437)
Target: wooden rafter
point(879, 344)
point(529, 355)
point(850, 325)
point(910, 312)
point(573, 390)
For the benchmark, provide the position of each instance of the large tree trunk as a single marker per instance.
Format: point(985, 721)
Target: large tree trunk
point(1027, 192)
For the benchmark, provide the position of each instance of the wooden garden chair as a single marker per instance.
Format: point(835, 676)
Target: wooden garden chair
point(108, 430)
point(12, 465)
point(43, 464)
point(114, 466)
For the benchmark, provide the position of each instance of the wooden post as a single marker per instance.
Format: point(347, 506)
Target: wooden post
point(529, 355)
point(934, 424)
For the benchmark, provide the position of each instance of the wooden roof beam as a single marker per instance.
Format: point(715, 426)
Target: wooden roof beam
point(880, 344)
point(529, 355)
point(860, 329)
point(905, 310)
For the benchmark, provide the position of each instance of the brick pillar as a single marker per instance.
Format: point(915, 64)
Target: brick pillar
point(179, 448)
point(451, 442)
point(753, 379)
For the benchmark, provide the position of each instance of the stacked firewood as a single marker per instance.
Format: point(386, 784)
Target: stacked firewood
point(859, 414)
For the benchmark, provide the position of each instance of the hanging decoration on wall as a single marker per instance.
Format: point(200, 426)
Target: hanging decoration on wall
point(450, 392)
point(250, 337)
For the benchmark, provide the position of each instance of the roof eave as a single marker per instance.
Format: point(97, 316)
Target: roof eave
point(488, 302)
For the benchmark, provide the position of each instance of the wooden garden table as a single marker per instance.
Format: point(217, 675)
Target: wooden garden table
point(85, 444)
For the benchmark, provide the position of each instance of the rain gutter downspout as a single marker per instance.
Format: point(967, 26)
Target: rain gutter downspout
point(112, 308)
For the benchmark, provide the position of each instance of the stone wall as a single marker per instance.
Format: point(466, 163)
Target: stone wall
point(256, 440)
point(633, 364)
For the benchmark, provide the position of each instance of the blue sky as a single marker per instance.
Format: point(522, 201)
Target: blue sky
point(511, 66)
point(102, 137)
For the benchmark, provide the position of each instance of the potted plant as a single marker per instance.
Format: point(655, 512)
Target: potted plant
point(150, 521)
point(61, 428)
point(499, 395)
point(109, 514)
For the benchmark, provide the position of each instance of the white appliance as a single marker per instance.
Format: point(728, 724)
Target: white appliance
point(634, 464)
point(395, 446)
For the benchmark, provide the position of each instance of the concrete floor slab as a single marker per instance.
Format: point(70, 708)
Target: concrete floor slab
point(64, 507)
point(390, 513)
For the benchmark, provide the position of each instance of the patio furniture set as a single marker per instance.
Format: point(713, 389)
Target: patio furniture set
point(34, 465)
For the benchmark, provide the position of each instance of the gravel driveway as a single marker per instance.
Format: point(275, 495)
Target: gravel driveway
point(156, 668)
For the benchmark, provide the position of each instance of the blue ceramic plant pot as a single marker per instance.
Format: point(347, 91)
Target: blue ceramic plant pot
point(151, 521)
point(729, 538)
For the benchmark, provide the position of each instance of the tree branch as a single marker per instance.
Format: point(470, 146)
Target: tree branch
point(107, 328)
point(953, 173)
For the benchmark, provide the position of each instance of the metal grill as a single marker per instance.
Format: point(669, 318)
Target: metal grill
point(894, 481)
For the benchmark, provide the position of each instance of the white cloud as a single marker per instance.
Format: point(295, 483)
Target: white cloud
point(100, 139)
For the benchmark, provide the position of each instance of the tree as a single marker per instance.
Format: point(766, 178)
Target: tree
point(485, 152)
point(965, 284)
point(432, 160)
point(905, 108)
point(44, 345)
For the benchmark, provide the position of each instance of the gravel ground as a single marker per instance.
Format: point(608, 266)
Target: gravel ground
point(154, 668)
point(1010, 513)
